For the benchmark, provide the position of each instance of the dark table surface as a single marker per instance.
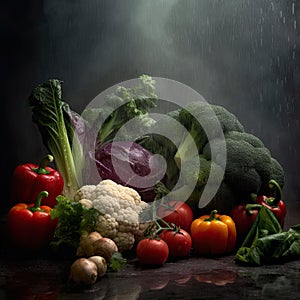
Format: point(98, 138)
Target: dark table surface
point(46, 277)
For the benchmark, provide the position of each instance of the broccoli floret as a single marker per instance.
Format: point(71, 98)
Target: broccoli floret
point(228, 120)
point(240, 171)
point(248, 137)
point(248, 168)
point(276, 173)
point(204, 121)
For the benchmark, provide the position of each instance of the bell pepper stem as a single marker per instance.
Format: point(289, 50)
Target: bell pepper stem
point(37, 204)
point(251, 207)
point(277, 192)
point(41, 169)
point(212, 215)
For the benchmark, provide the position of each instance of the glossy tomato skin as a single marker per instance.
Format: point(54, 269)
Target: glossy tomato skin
point(179, 242)
point(213, 236)
point(152, 252)
point(178, 213)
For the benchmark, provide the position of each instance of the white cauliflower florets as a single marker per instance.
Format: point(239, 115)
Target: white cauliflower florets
point(119, 208)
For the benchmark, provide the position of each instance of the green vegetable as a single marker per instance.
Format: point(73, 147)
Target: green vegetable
point(50, 113)
point(266, 243)
point(121, 106)
point(247, 170)
point(117, 262)
point(209, 116)
point(73, 220)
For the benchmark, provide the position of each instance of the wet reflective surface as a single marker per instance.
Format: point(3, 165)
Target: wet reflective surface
point(192, 278)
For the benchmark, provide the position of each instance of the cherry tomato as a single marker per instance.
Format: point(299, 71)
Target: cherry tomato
point(179, 242)
point(151, 251)
point(177, 212)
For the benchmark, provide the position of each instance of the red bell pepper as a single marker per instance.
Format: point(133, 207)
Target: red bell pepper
point(274, 203)
point(31, 226)
point(30, 179)
point(243, 216)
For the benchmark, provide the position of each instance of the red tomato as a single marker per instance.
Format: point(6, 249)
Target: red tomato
point(153, 252)
point(177, 212)
point(179, 242)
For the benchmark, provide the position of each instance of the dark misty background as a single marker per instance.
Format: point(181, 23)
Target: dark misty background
point(244, 55)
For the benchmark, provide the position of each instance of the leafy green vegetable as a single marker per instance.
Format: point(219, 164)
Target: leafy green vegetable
point(51, 115)
point(121, 106)
point(73, 220)
point(266, 242)
point(117, 262)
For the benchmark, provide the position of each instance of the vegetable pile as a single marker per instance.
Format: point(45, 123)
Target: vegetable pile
point(119, 208)
point(249, 164)
point(99, 218)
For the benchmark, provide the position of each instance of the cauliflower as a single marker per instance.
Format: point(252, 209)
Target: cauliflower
point(119, 209)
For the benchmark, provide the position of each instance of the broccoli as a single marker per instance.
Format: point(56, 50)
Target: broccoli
point(198, 169)
point(247, 170)
point(248, 137)
point(228, 121)
point(203, 122)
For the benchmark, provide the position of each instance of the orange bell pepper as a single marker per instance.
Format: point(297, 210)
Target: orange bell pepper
point(213, 234)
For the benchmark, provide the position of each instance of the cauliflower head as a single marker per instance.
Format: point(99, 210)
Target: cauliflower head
point(119, 207)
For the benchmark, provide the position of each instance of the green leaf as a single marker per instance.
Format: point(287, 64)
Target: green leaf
point(267, 243)
point(117, 262)
point(73, 220)
point(48, 112)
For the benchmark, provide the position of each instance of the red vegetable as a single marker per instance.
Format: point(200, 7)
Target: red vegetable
point(179, 242)
point(30, 179)
point(274, 204)
point(30, 226)
point(243, 216)
point(178, 213)
point(152, 251)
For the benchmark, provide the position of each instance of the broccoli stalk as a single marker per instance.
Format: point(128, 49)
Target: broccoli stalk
point(189, 145)
point(57, 130)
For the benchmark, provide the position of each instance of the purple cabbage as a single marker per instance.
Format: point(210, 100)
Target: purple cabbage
point(131, 165)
